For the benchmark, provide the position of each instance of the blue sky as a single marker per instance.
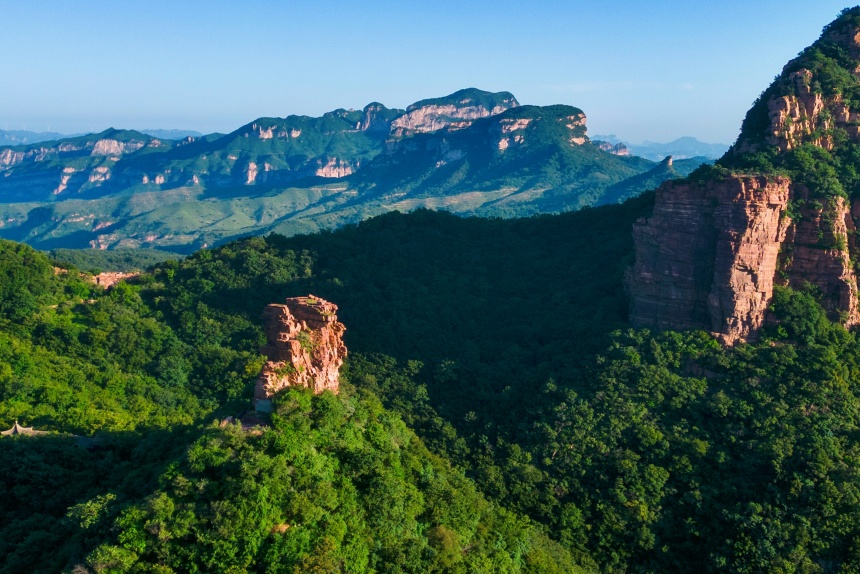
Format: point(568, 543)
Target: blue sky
point(642, 70)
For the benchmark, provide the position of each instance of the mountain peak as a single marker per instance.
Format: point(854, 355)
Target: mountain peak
point(470, 97)
point(814, 100)
point(454, 111)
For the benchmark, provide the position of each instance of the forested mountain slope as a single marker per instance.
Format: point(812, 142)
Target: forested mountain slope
point(497, 412)
point(136, 474)
point(468, 152)
point(499, 344)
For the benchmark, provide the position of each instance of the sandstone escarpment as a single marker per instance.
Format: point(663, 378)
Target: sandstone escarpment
point(304, 347)
point(710, 254)
point(615, 149)
point(431, 117)
point(333, 168)
point(807, 116)
point(818, 250)
point(112, 147)
point(707, 256)
point(374, 119)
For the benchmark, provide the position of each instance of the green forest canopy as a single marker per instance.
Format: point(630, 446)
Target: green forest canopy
point(496, 414)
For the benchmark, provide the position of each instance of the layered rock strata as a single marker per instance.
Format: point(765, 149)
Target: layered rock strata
point(423, 117)
point(710, 254)
point(818, 249)
point(304, 347)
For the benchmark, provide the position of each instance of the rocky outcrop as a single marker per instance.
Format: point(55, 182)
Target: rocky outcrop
point(805, 115)
point(109, 279)
point(614, 149)
point(111, 147)
point(461, 110)
point(101, 173)
point(508, 128)
point(333, 167)
point(818, 251)
point(806, 102)
point(304, 347)
point(374, 119)
point(9, 158)
point(251, 173)
point(65, 176)
point(706, 257)
point(710, 254)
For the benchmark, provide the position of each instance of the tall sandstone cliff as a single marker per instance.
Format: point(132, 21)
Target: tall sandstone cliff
point(711, 252)
point(714, 248)
point(304, 345)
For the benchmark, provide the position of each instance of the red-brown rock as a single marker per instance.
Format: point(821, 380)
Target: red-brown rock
point(304, 347)
point(707, 256)
point(710, 254)
point(817, 251)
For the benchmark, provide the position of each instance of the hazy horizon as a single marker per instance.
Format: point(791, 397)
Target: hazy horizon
point(642, 72)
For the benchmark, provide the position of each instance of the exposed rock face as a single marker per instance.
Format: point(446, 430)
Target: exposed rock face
point(108, 280)
point(508, 127)
point(101, 173)
point(304, 347)
point(802, 104)
point(263, 133)
point(251, 173)
point(818, 251)
point(333, 167)
point(807, 117)
point(10, 158)
point(430, 118)
point(374, 120)
point(707, 256)
point(617, 149)
point(115, 148)
point(710, 254)
point(64, 179)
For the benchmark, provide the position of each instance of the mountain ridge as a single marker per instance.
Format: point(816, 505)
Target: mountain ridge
point(779, 210)
point(471, 152)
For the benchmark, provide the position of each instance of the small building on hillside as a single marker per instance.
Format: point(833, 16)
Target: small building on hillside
point(20, 430)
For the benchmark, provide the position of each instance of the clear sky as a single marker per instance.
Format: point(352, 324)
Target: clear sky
point(642, 70)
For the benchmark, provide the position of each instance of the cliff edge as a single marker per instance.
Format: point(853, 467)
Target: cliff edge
point(780, 208)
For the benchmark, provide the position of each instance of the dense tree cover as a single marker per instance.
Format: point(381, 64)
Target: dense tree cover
point(664, 452)
point(99, 260)
point(360, 491)
point(338, 484)
point(553, 432)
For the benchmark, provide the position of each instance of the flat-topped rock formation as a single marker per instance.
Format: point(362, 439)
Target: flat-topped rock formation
point(304, 345)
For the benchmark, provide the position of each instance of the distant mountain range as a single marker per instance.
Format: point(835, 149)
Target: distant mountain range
point(472, 152)
point(681, 148)
point(23, 137)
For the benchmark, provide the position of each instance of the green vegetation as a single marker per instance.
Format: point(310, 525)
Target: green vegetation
point(637, 184)
point(830, 67)
point(183, 196)
point(337, 483)
point(119, 260)
point(496, 414)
